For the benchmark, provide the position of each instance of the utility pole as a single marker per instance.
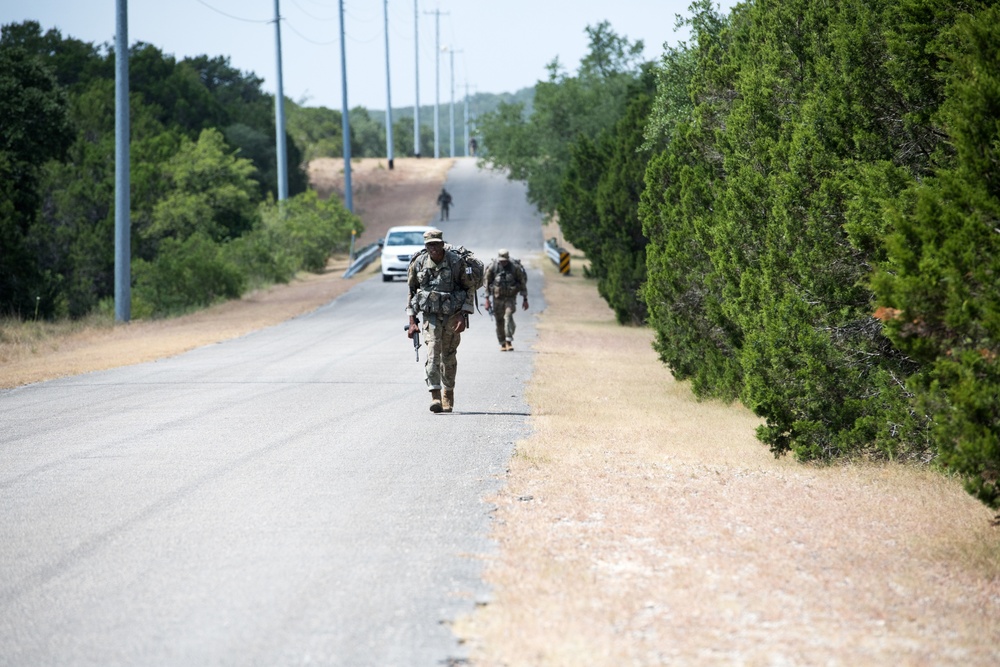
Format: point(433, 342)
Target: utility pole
point(451, 56)
point(123, 202)
point(466, 123)
point(345, 124)
point(437, 76)
point(279, 114)
point(416, 79)
point(388, 90)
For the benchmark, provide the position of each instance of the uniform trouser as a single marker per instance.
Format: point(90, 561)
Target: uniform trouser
point(442, 351)
point(503, 312)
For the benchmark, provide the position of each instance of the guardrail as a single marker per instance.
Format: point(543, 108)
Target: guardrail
point(363, 259)
point(558, 255)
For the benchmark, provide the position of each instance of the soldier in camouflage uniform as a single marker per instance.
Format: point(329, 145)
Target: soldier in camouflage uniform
point(442, 291)
point(504, 280)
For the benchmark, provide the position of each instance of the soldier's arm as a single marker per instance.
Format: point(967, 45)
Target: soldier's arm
point(412, 284)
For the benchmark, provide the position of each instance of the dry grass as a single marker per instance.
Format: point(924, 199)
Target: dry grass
point(641, 527)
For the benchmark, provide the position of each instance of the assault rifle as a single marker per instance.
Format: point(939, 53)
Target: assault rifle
point(416, 339)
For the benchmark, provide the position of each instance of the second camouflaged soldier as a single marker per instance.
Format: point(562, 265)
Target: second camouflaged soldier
point(442, 292)
point(504, 280)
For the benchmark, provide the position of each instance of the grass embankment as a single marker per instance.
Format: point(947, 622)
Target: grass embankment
point(640, 526)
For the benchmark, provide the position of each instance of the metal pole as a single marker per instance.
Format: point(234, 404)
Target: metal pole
point(451, 109)
point(345, 123)
point(388, 90)
point(437, 79)
point(123, 203)
point(416, 79)
point(466, 123)
point(279, 114)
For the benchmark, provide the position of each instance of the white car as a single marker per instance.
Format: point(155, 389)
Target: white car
point(399, 244)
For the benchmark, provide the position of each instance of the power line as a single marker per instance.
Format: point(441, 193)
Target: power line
point(315, 18)
point(311, 41)
point(237, 18)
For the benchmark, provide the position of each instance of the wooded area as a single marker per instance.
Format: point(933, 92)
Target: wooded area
point(205, 225)
point(803, 203)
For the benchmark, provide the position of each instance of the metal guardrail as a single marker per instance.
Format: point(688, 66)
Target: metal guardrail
point(363, 259)
point(558, 255)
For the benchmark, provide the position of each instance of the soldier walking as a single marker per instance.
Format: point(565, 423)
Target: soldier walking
point(444, 201)
point(442, 291)
point(504, 280)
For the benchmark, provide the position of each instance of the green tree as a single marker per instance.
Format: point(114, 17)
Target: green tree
point(34, 127)
point(210, 191)
point(684, 290)
point(537, 150)
point(600, 198)
point(940, 286)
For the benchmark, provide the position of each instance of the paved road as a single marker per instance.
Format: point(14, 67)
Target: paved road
point(285, 498)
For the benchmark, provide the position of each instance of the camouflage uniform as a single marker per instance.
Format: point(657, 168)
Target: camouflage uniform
point(440, 293)
point(504, 281)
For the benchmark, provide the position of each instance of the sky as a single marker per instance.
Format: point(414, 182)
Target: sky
point(489, 46)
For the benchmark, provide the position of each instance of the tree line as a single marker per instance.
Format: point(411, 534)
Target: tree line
point(802, 203)
point(205, 224)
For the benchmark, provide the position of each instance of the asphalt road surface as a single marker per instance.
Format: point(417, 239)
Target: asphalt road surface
point(284, 498)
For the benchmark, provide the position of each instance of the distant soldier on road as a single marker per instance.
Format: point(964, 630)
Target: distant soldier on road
point(505, 278)
point(442, 290)
point(444, 201)
point(473, 145)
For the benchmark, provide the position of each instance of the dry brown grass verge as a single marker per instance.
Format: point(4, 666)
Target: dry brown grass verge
point(639, 526)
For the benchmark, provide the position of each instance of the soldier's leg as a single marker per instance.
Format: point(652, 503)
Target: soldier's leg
point(433, 343)
point(498, 320)
point(449, 353)
point(509, 324)
point(509, 306)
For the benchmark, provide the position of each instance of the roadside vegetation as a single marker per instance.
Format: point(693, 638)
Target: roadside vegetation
point(205, 223)
point(801, 202)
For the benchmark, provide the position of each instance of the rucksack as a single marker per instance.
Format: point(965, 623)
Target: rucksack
point(473, 265)
point(516, 269)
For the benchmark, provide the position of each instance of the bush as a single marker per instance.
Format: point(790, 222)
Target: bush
point(184, 275)
point(940, 288)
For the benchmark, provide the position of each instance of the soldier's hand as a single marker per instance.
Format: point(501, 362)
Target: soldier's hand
point(412, 330)
point(487, 303)
point(524, 304)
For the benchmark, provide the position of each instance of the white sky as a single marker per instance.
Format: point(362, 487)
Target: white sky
point(500, 45)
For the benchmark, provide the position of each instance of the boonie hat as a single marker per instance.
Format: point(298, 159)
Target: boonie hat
point(433, 236)
point(503, 254)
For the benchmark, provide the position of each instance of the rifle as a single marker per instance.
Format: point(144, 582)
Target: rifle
point(416, 340)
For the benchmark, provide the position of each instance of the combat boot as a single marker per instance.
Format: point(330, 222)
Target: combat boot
point(448, 400)
point(435, 400)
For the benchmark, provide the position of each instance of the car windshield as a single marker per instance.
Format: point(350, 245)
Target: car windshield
point(405, 238)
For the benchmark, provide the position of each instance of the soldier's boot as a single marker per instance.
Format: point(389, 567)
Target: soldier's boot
point(435, 400)
point(448, 400)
